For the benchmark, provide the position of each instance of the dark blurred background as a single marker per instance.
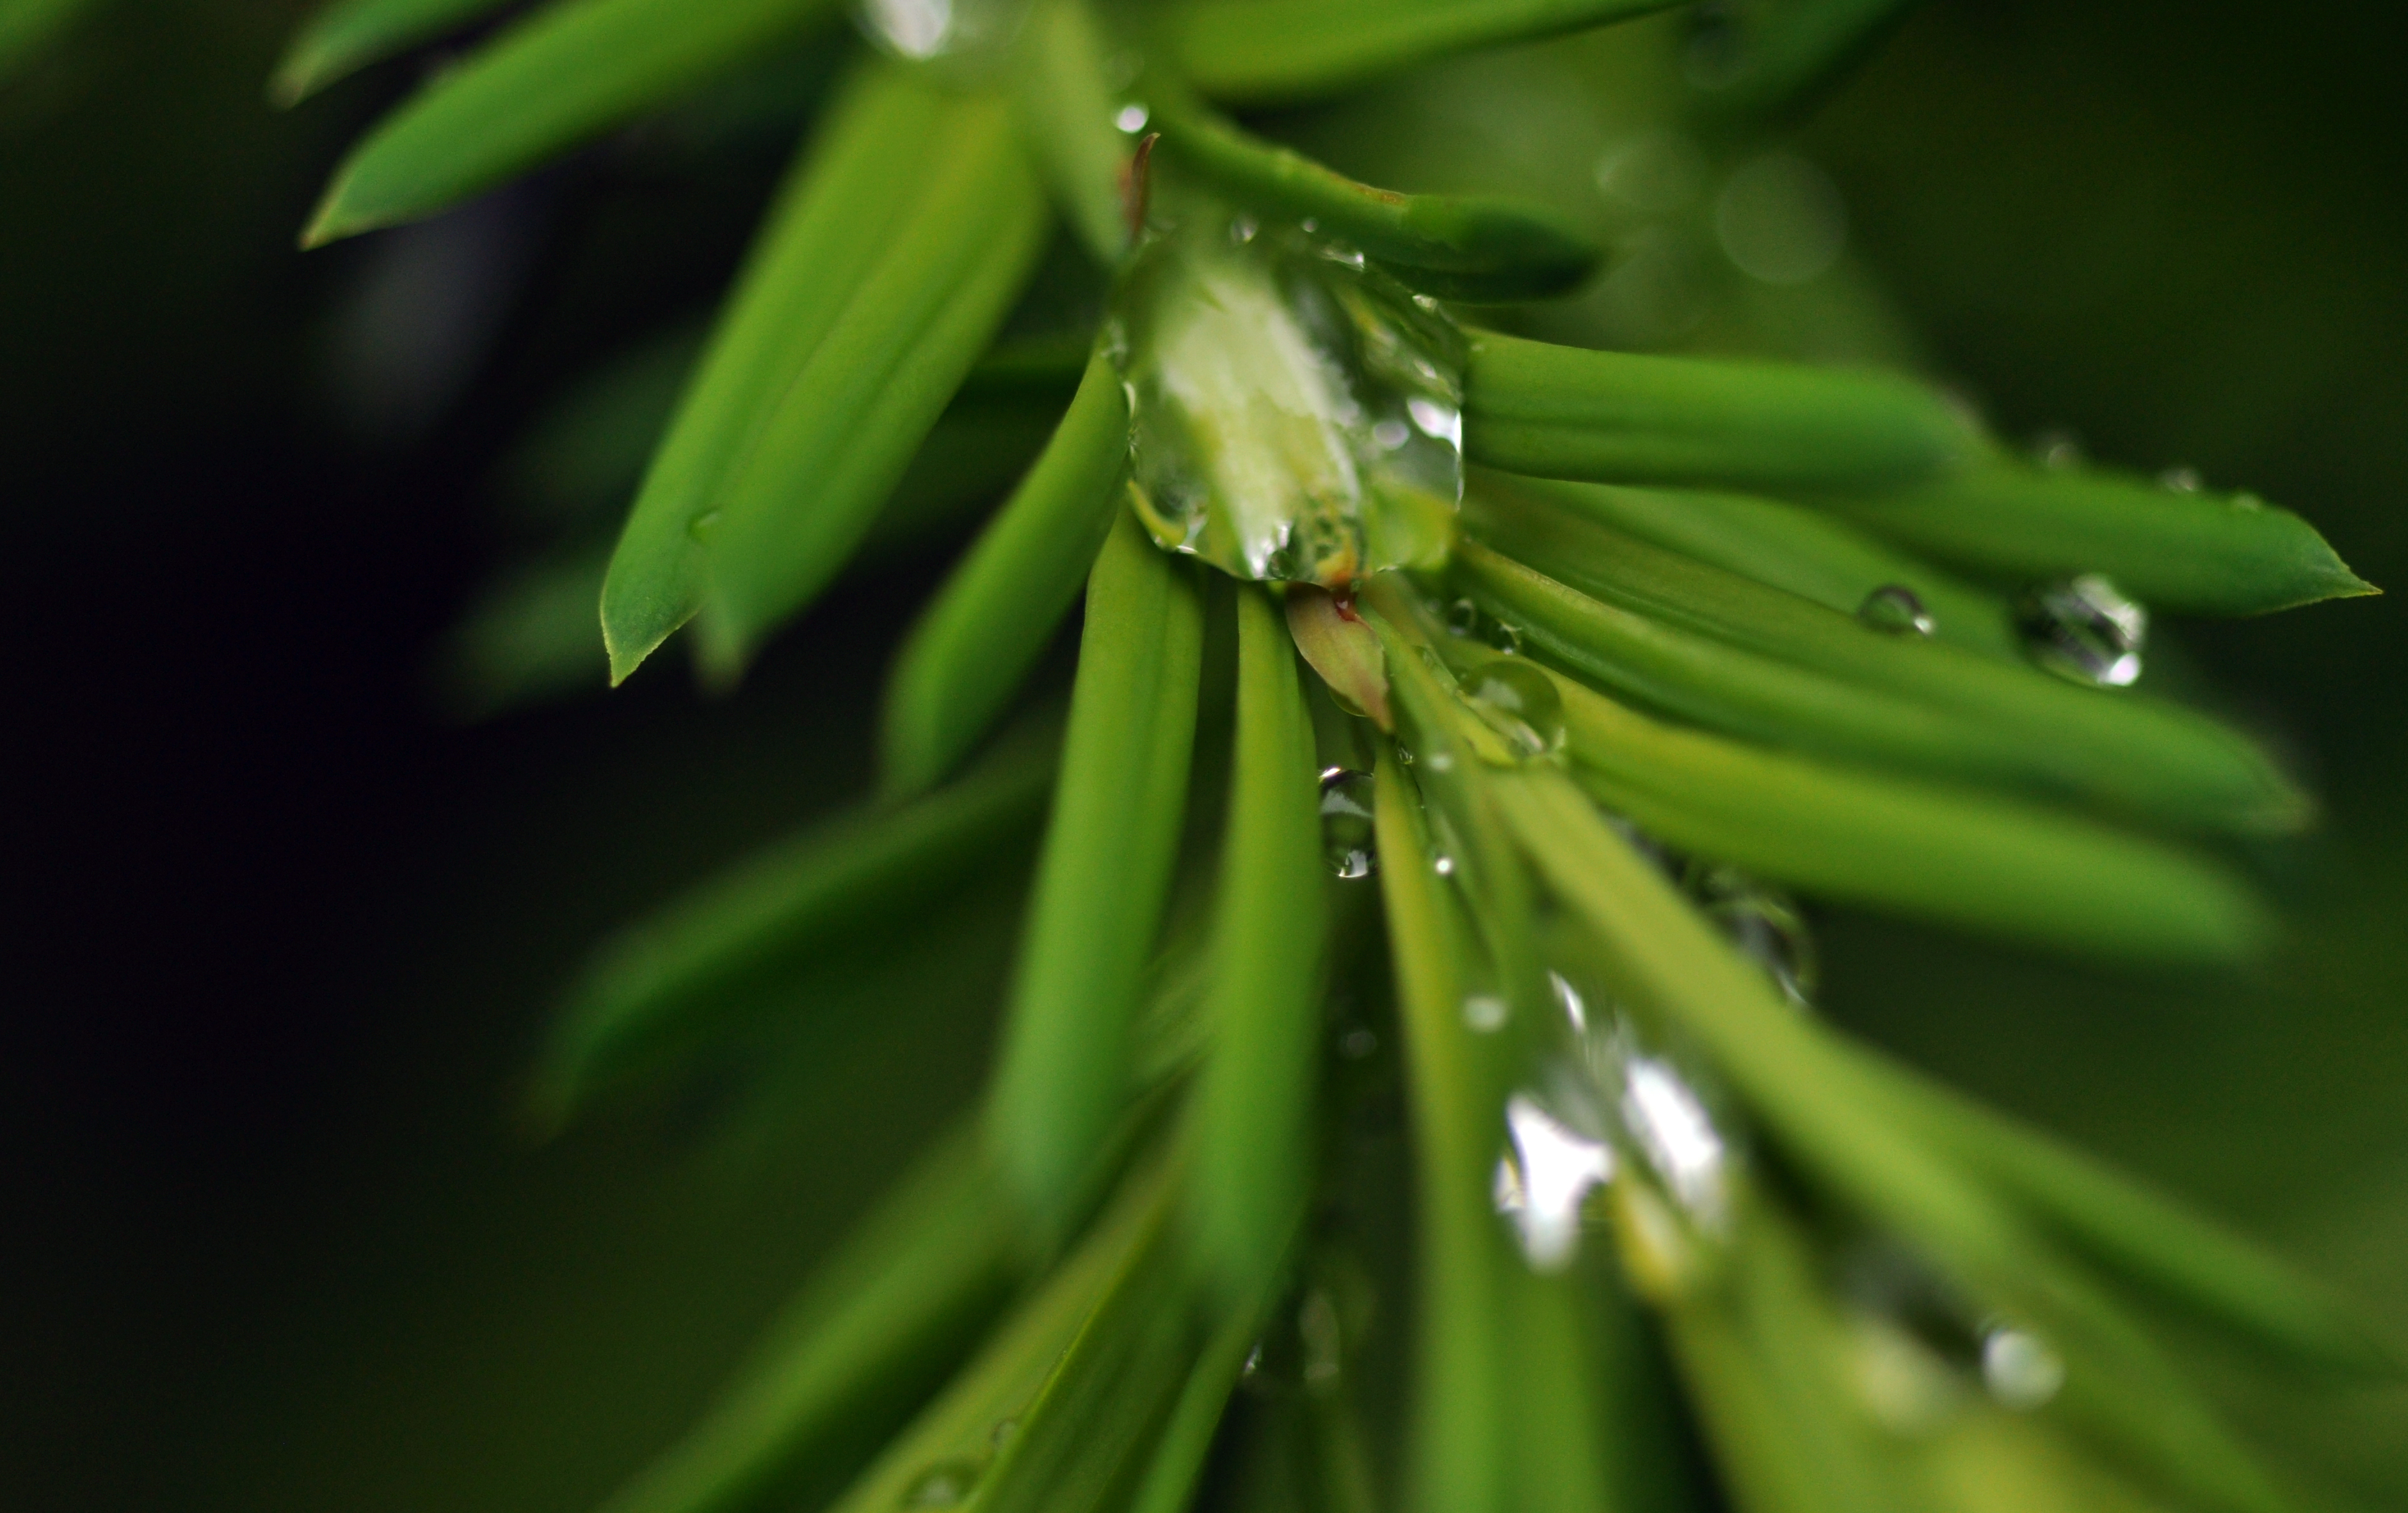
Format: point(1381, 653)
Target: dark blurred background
point(281, 933)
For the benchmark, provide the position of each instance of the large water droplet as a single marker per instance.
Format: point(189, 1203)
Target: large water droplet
point(1294, 414)
point(1898, 609)
point(922, 29)
point(1520, 703)
point(2020, 1372)
point(2085, 629)
point(1765, 924)
point(945, 1484)
point(1348, 841)
point(1547, 1179)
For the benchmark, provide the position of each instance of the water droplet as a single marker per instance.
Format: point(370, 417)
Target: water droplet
point(1668, 1119)
point(1467, 620)
point(1520, 703)
point(1547, 1179)
point(1779, 219)
point(1001, 1433)
point(922, 29)
point(1348, 841)
point(1295, 415)
point(1443, 866)
point(1131, 119)
point(2246, 502)
point(1310, 226)
point(1484, 1013)
point(1354, 1044)
point(2180, 479)
point(1442, 422)
point(2058, 450)
point(2020, 1372)
point(2085, 629)
point(945, 1484)
point(1568, 998)
point(703, 526)
point(1765, 924)
point(1898, 609)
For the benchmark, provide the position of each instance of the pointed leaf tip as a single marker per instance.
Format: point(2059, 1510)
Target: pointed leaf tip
point(329, 222)
point(295, 80)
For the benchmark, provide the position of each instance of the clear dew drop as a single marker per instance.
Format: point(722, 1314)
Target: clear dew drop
point(1897, 609)
point(1670, 1122)
point(1468, 620)
point(1766, 926)
point(924, 29)
point(1484, 1013)
point(945, 1484)
point(1348, 842)
point(1569, 999)
point(2180, 479)
point(1520, 703)
point(2084, 629)
point(1357, 1044)
point(1295, 415)
point(2018, 1370)
point(1544, 1183)
point(1131, 119)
